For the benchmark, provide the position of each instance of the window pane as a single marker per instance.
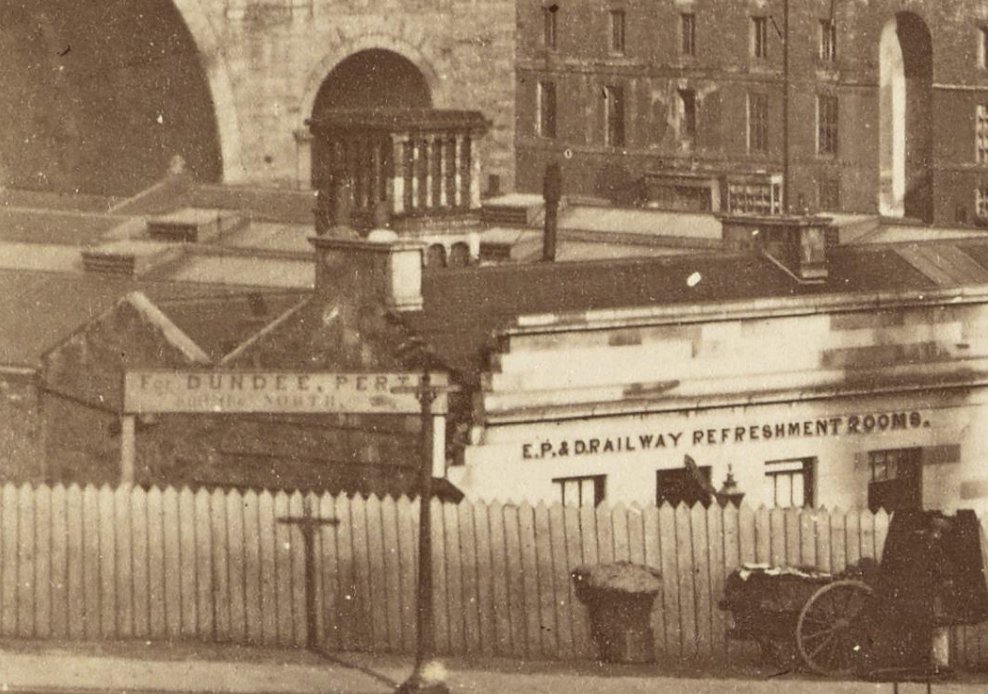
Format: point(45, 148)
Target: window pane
point(687, 29)
point(981, 131)
point(983, 47)
point(549, 21)
point(581, 491)
point(587, 489)
point(687, 112)
point(828, 40)
point(546, 126)
point(827, 116)
point(759, 37)
point(783, 491)
point(757, 123)
point(788, 481)
point(798, 489)
point(617, 31)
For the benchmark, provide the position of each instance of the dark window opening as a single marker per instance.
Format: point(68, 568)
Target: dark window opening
point(681, 486)
point(546, 126)
point(896, 479)
point(829, 193)
point(687, 113)
point(827, 117)
point(758, 123)
point(614, 116)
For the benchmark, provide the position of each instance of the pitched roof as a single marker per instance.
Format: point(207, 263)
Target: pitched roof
point(464, 308)
point(221, 323)
point(39, 309)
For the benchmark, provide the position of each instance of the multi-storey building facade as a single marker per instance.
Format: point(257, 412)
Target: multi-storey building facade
point(886, 100)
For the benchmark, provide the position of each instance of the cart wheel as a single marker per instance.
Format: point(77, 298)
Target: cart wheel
point(832, 633)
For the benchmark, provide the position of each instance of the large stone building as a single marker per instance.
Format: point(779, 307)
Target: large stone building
point(887, 99)
point(101, 97)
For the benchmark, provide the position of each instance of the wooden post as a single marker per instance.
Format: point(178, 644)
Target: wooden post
point(128, 449)
point(308, 524)
point(940, 652)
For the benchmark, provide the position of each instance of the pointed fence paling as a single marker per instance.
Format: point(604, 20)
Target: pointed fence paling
point(219, 565)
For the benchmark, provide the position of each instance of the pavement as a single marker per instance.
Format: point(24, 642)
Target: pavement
point(145, 667)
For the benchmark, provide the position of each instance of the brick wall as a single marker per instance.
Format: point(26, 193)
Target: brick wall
point(722, 72)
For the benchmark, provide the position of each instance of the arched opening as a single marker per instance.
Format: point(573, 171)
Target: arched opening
point(459, 255)
point(435, 257)
point(905, 102)
point(369, 79)
point(101, 97)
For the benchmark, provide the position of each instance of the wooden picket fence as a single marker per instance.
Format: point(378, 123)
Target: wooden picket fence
point(118, 563)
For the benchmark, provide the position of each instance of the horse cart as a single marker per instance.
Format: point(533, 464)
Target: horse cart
point(877, 619)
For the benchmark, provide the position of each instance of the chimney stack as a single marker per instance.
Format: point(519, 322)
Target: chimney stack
point(798, 244)
point(382, 267)
point(552, 186)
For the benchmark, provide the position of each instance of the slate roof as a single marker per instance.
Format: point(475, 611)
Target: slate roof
point(218, 324)
point(40, 309)
point(464, 308)
point(55, 226)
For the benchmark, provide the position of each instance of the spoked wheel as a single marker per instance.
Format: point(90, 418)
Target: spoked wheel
point(832, 633)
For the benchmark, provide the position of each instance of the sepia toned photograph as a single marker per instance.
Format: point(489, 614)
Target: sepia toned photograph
point(483, 346)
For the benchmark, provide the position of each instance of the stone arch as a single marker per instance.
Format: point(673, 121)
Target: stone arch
point(373, 78)
point(381, 41)
point(198, 22)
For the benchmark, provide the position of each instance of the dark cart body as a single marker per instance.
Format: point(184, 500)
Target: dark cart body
point(874, 617)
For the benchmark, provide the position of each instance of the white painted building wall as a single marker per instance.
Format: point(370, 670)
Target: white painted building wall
point(580, 395)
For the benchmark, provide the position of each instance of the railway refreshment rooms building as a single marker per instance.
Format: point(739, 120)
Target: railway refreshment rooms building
point(877, 106)
point(863, 399)
point(863, 387)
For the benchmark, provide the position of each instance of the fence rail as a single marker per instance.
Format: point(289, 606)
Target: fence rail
point(109, 563)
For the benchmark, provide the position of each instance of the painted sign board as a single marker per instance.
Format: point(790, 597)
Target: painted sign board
point(256, 392)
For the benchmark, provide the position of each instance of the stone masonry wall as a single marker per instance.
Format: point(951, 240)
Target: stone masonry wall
point(276, 57)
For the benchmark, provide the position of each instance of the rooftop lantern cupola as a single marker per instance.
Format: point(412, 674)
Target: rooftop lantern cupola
point(419, 167)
